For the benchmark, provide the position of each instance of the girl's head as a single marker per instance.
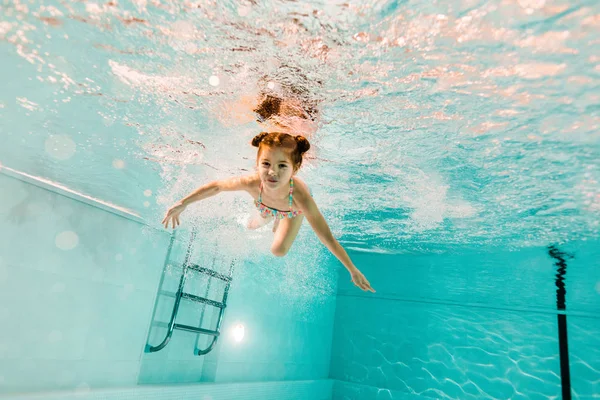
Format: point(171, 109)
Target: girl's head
point(279, 155)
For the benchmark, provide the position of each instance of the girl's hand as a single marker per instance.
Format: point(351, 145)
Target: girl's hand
point(359, 280)
point(173, 215)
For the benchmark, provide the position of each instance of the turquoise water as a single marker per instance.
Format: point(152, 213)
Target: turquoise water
point(453, 123)
point(468, 325)
point(456, 142)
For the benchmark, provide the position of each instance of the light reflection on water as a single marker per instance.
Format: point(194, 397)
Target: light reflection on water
point(439, 124)
point(443, 352)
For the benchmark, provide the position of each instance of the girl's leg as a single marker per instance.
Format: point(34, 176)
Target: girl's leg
point(285, 235)
point(256, 221)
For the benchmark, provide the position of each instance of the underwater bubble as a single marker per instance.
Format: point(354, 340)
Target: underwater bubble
point(118, 164)
point(147, 192)
point(183, 29)
point(533, 4)
point(242, 11)
point(67, 240)
point(214, 80)
point(60, 147)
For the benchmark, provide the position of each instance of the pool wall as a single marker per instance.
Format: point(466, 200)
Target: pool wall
point(472, 325)
point(288, 331)
point(78, 288)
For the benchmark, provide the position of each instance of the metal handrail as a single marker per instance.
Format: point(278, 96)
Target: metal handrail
point(180, 294)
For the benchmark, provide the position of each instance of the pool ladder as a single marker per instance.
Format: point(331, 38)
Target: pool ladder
point(180, 294)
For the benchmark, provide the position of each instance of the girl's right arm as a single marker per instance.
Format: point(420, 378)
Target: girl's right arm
point(205, 191)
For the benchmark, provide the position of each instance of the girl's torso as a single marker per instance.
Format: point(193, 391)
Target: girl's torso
point(277, 207)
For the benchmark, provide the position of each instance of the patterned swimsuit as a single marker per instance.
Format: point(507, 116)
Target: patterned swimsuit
point(266, 211)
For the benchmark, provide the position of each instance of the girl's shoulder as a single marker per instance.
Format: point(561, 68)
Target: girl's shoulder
point(251, 181)
point(301, 189)
point(251, 178)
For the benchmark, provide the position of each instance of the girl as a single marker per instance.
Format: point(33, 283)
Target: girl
point(278, 195)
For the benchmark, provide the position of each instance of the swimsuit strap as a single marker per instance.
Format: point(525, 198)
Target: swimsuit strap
point(291, 197)
point(291, 192)
point(267, 211)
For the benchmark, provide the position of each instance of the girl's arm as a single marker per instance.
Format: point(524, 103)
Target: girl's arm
point(205, 191)
point(317, 222)
point(212, 188)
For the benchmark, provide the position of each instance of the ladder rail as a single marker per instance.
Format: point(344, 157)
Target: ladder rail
point(180, 294)
point(201, 352)
point(167, 339)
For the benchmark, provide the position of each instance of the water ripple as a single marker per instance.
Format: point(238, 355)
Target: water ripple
point(509, 355)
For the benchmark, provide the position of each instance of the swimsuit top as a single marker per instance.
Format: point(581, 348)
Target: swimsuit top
point(266, 211)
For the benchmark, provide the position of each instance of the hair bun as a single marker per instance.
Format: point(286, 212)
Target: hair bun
point(303, 144)
point(258, 138)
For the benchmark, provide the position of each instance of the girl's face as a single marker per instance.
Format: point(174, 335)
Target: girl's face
point(275, 167)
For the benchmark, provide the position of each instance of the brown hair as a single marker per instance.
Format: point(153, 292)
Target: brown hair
point(298, 145)
point(271, 106)
point(268, 107)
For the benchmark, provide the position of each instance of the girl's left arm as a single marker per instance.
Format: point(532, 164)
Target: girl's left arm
point(317, 222)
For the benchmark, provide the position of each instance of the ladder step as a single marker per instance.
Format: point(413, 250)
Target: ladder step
point(204, 300)
point(209, 272)
point(196, 330)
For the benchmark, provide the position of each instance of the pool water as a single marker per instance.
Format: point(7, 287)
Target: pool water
point(455, 157)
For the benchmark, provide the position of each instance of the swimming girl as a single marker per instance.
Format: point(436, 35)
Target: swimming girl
point(278, 195)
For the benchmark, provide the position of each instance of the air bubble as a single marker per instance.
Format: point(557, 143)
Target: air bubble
point(214, 80)
point(66, 240)
point(60, 147)
point(118, 164)
point(243, 11)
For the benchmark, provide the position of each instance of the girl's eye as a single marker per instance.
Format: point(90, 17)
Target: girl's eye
point(266, 164)
point(282, 165)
